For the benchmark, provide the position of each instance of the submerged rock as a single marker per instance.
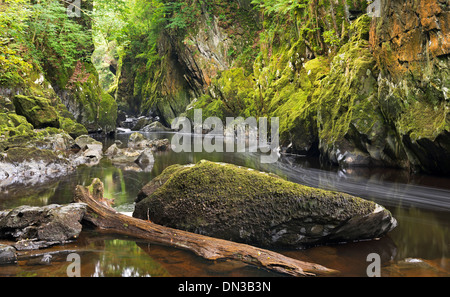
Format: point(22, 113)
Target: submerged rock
point(36, 227)
point(243, 205)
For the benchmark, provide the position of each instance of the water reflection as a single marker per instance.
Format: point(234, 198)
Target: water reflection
point(421, 205)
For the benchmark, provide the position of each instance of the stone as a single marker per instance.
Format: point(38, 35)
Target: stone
point(91, 151)
point(145, 158)
point(132, 158)
point(136, 140)
point(243, 205)
point(34, 227)
point(141, 123)
point(85, 140)
point(38, 111)
point(7, 254)
point(32, 165)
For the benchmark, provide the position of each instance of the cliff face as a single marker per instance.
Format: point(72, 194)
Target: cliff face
point(411, 45)
point(189, 61)
point(71, 86)
point(357, 90)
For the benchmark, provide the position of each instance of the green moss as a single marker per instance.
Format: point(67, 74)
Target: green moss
point(231, 95)
point(360, 28)
point(107, 114)
point(37, 110)
point(13, 125)
point(233, 202)
point(22, 154)
point(73, 128)
point(424, 120)
point(348, 88)
point(198, 182)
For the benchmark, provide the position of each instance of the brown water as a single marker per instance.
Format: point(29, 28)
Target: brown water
point(419, 246)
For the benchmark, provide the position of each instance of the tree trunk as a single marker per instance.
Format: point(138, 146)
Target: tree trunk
point(104, 217)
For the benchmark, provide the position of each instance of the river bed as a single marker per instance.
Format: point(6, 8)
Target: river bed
point(419, 246)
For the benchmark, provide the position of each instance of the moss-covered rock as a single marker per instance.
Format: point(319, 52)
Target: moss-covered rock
point(73, 128)
point(240, 204)
point(89, 104)
point(37, 110)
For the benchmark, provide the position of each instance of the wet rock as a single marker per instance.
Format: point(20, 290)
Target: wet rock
point(141, 123)
point(122, 155)
point(37, 227)
point(243, 205)
point(145, 158)
point(136, 140)
point(34, 244)
point(138, 154)
point(160, 145)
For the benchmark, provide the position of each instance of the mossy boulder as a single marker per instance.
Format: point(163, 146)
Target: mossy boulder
point(37, 110)
point(244, 205)
point(12, 125)
point(73, 128)
point(89, 104)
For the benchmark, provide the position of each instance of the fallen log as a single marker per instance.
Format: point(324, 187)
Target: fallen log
point(104, 217)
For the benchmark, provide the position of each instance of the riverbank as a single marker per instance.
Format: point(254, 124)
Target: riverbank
point(417, 201)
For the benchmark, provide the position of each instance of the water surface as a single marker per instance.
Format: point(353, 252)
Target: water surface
point(419, 246)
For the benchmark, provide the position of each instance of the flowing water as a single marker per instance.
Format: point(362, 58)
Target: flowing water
point(419, 246)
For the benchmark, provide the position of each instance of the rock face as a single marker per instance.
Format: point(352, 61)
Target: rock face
point(411, 46)
point(41, 226)
point(370, 90)
point(243, 205)
point(21, 164)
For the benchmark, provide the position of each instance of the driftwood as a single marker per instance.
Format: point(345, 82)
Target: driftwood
point(104, 217)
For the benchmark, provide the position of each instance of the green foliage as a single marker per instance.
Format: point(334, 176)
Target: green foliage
point(13, 66)
point(281, 6)
point(56, 38)
point(182, 14)
point(33, 34)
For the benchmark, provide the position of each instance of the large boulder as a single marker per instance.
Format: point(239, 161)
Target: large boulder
point(32, 165)
point(39, 226)
point(244, 205)
point(38, 111)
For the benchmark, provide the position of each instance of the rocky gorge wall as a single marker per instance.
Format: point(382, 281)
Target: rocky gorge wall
point(375, 96)
point(52, 104)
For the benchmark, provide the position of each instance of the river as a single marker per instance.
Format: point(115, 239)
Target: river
point(419, 246)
